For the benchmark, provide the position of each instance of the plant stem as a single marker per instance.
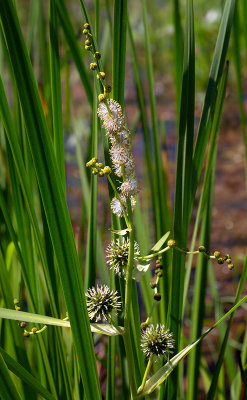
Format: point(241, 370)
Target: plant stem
point(127, 308)
point(145, 374)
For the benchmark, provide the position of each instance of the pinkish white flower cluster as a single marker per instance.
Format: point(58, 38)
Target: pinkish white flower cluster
point(110, 113)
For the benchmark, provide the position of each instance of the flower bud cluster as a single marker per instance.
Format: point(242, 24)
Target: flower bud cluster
point(156, 278)
point(221, 258)
point(110, 112)
point(94, 66)
point(98, 168)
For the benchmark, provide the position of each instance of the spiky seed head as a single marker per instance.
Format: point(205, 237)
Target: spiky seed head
point(171, 243)
point(157, 341)
point(102, 302)
point(117, 254)
point(97, 55)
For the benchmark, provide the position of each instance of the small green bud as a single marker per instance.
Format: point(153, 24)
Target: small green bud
point(107, 170)
point(85, 31)
point(34, 329)
point(171, 243)
point(153, 285)
point(22, 324)
point(26, 334)
point(160, 274)
point(228, 260)
point(227, 256)
point(156, 271)
point(144, 325)
point(102, 97)
point(86, 26)
point(88, 47)
point(101, 173)
point(95, 171)
point(220, 260)
point(230, 266)
point(102, 75)
point(100, 165)
point(202, 249)
point(97, 55)
point(88, 42)
point(157, 296)
point(217, 254)
point(93, 66)
point(16, 301)
point(107, 89)
point(17, 308)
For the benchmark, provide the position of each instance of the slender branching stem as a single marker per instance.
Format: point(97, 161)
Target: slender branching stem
point(127, 308)
point(145, 374)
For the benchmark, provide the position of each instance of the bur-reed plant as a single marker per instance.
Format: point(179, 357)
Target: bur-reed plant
point(40, 270)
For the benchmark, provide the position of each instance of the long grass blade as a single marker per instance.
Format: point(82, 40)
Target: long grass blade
point(183, 181)
point(7, 386)
point(213, 387)
point(53, 198)
point(56, 96)
point(25, 376)
point(211, 92)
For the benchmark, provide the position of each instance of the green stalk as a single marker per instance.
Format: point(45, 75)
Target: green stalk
point(127, 306)
point(146, 374)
